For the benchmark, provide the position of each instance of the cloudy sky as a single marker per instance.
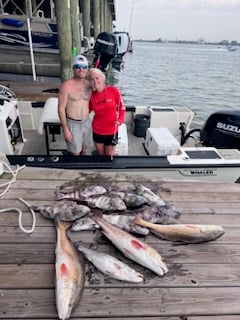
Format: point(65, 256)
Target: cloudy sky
point(212, 20)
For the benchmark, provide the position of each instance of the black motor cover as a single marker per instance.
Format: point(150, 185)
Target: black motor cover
point(105, 49)
point(222, 130)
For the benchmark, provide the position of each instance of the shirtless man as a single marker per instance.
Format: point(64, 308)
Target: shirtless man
point(73, 108)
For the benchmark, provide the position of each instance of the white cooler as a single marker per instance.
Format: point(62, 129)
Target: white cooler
point(122, 146)
point(161, 142)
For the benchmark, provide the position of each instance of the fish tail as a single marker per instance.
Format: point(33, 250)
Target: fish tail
point(63, 225)
point(96, 216)
point(138, 220)
point(59, 195)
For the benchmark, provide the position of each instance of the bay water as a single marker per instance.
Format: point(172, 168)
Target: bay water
point(205, 78)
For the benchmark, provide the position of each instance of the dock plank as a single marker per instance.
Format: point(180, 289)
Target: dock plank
point(203, 282)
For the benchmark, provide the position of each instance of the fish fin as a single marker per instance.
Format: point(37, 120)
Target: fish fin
point(59, 195)
point(77, 243)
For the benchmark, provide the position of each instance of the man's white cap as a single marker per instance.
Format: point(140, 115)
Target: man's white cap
point(80, 59)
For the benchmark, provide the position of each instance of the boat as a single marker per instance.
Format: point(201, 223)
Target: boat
point(154, 140)
point(30, 34)
point(227, 48)
point(231, 48)
point(32, 38)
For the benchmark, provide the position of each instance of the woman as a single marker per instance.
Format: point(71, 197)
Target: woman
point(109, 111)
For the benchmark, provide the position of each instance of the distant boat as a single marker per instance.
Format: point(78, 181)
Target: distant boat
point(230, 48)
point(227, 47)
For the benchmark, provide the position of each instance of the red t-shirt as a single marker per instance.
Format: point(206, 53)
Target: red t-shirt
point(108, 107)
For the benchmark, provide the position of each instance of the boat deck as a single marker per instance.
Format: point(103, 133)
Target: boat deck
point(203, 282)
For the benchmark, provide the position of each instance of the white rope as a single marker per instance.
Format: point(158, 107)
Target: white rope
point(20, 213)
point(14, 176)
point(20, 217)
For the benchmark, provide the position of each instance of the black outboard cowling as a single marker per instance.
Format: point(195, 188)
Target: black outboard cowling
point(104, 49)
point(222, 130)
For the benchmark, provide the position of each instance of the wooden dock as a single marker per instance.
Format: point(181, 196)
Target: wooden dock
point(33, 91)
point(203, 282)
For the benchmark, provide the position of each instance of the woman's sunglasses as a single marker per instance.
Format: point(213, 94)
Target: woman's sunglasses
point(79, 66)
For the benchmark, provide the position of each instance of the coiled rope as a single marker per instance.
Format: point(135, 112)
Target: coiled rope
point(20, 213)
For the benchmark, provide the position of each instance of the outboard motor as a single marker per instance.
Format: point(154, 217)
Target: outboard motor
point(104, 49)
point(222, 130)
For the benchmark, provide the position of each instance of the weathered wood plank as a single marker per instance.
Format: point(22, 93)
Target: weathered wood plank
point(44, 252)
point(124, 302)
point(162, 186)
point(41, 276)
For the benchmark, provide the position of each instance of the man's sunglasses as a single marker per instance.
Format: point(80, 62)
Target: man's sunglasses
point(79, 66)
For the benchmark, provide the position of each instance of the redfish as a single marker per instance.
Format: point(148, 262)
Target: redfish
point(132, 247)
point(70, 273)
point(110, 265)
point(187, 233)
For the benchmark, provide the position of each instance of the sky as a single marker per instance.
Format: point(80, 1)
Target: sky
point(211, 20)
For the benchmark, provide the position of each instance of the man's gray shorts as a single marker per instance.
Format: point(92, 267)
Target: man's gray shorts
point(81, 133)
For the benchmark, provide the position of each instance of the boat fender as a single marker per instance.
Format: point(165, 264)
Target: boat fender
point(12, 22)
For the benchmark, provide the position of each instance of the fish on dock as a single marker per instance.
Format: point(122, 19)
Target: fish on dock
point(65, 210)
point(132, 247)
point(161, 215)
point(186, 233)
point(154, 200)
point(123, 221)
point(70, 272)
point(106, 203)
point(110, 265)
point(131, 200)
point(77, 193)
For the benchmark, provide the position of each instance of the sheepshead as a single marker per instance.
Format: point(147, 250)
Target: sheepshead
point(132, 247)
point(125, 222)
point(110, 265)
point(154, 200)
point(151, 197)
point(106, 203)
point(65, 210)
point(70, 273)
point(78, 193)
point(131, 200)
point(163, 215)
point(187, 233)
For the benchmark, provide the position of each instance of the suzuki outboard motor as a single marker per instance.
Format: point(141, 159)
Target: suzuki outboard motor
point(222, 130)
point(104, 49)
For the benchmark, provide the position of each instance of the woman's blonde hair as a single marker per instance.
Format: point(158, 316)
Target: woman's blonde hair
point(98, 71)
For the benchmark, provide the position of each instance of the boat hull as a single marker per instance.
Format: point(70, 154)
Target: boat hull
point(136, 165)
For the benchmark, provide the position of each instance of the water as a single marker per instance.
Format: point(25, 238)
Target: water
point(204, 78)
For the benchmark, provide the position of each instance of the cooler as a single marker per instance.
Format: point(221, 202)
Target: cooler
point(122, 146)
point(161, 142)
